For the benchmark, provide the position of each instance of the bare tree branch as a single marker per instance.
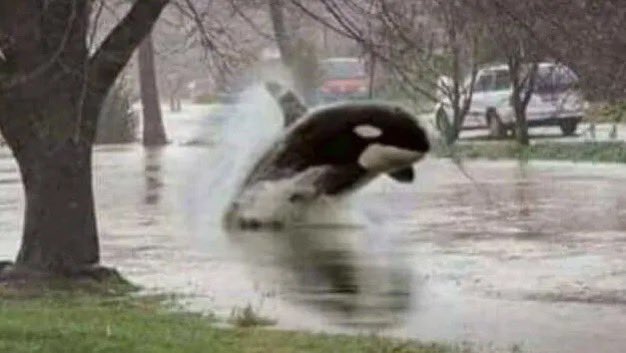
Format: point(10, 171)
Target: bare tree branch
point(85, 84)
point(113, 54)
point(41, 69)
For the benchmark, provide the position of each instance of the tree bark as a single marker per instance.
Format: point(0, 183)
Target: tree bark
point(153, 129)
point(283, 39)
point(49, 104)
point(60, 233)
point(173, 106)
point(286, 46)
point(521, 127)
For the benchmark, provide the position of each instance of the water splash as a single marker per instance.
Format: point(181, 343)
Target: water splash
point(327, 252)
point(247, 129)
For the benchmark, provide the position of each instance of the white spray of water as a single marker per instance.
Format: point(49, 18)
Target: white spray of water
point(248, 129)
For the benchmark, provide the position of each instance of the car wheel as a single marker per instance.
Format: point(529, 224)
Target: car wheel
point(496, 128)
point(568, 127)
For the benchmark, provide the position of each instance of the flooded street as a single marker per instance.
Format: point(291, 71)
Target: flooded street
point(528, 254)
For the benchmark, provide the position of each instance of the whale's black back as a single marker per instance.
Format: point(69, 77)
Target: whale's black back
point(326, 137)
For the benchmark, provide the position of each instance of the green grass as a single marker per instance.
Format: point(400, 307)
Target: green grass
point(605, 152)
point(79, 323)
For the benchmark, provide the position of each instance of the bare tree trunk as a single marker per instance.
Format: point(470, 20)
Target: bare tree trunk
point(287, 48)
point(176, 86)
point(49, 116)
point(153, 129)
point(521, 125)
point(523, 84)
point(283, 40)
point(173, 103)
point(60, 233)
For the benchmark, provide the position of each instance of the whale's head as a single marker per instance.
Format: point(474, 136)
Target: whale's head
point(374, 137)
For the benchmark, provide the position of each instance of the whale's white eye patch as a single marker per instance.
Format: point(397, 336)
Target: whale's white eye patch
point(368, 131)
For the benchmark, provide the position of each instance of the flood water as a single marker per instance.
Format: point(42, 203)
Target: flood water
point(529, 254)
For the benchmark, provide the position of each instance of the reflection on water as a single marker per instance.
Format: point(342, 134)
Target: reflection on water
point(152, 163)
point(327, 270)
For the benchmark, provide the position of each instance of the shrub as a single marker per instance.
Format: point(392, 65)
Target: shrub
point(118, 121)
point(606, 113)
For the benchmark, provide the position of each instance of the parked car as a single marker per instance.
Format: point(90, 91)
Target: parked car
point(555, 100)
point(343, 79)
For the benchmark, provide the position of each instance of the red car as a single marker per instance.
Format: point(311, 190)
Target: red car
point(344, 79)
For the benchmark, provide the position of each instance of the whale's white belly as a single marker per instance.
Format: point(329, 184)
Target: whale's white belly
point(279, 200)
point(284, 201)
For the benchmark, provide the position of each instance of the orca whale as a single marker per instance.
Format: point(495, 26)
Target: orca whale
point(328, 152)
point(293, 108)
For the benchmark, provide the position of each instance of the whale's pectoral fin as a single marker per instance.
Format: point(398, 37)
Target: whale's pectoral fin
point(303, 195)
point(339, 180)
point(404, 175)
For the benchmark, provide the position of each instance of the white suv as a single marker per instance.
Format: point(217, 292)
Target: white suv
point(555, 101)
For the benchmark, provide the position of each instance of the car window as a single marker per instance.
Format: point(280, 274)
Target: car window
point(484, 82)
point(555, 79)
point(502, 80)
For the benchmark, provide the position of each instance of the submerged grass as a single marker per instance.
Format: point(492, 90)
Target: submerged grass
point(81, 322)
point(605, 152)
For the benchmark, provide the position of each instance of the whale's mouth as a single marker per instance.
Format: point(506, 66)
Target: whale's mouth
point(403, 175)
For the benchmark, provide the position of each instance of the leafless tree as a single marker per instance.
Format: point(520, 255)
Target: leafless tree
point(52, 87)
point(281, 33)
point(299, 55)
point(153, 129)
point(59, 60)
point(175, 84)
point(587, 35)
point(461, 37)
point(521, 55)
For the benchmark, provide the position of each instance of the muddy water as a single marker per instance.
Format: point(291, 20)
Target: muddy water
point(530, 255)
